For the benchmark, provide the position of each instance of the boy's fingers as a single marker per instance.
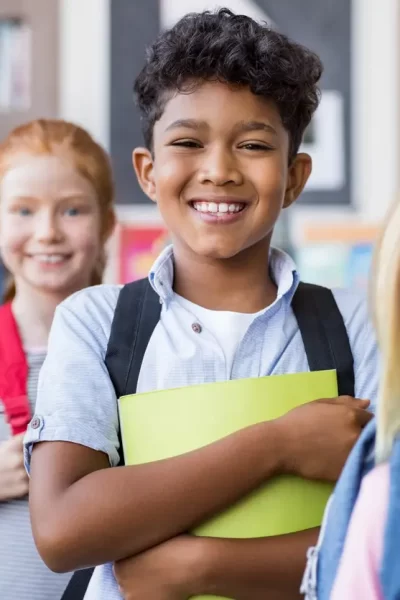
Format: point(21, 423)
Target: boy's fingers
point(359, 406)
point(359, 402)
point(363, 417)
point(349, 401)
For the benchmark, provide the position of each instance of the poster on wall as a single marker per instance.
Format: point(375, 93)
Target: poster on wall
point(139, 238)
point(139, 246)
point(337, 255)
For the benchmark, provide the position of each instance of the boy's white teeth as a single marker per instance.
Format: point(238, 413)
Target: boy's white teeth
point(219, 208)
point(49, 258)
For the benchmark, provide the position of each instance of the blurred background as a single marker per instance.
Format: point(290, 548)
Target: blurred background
point(77, 59)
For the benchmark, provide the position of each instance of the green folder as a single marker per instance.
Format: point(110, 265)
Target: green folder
point(163, 424)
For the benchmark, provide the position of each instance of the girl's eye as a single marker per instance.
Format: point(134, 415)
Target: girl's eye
point(24, 212)
point(186, 144)
point(72, 212)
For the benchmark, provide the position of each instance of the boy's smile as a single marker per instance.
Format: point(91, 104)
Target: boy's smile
point(220, 170)
point(219, 209)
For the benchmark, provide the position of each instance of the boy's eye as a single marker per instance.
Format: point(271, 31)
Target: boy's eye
point(255, 146)
point(187, 144)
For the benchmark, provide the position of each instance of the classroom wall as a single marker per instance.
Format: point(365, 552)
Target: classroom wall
point(96, 47)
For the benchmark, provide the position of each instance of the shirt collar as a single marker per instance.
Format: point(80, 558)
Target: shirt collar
point(284, 273)
point(282, 268)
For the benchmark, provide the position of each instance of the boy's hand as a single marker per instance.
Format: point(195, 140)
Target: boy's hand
point(166, 572)
point(14, 481)
point(318, 437)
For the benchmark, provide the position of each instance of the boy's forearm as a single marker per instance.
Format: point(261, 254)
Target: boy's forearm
point(256, 569)
point(121, 512)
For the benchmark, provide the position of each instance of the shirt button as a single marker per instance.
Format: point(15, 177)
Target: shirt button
point(197, 327)
point(35, 423)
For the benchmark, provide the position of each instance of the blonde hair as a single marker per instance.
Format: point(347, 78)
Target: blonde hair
point(386, 295)
point(60, 138)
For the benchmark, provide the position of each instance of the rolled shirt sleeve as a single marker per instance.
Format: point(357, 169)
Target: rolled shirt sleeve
point(76, 401)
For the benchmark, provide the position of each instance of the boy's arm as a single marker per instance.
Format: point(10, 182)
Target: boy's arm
point(252, 569)
point(84, 513)
point(258, 568)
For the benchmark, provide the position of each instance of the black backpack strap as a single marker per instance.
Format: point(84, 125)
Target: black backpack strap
point(324, 334)
point(135, 318)
point(76, 589)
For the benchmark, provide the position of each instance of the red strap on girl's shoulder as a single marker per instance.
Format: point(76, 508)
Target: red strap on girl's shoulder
point(13, 373)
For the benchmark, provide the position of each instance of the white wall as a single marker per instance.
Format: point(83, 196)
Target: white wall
point(85, 65)
point(376, 109)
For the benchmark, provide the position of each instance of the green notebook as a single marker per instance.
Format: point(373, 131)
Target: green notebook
point(163, 424)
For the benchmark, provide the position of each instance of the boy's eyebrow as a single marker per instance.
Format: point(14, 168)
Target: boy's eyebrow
point(255, 126)
point(188, 123)
point(243, 126)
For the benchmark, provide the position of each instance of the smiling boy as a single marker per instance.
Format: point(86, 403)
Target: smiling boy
point(225, 102)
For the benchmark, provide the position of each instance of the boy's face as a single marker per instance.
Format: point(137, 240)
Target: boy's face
point(220, 171)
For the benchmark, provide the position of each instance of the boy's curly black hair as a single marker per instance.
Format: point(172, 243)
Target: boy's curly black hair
point(234, 49)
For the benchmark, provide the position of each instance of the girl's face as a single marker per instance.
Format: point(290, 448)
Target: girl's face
point(49, 224)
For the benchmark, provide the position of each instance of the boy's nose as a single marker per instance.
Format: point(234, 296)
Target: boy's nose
point(219, 168)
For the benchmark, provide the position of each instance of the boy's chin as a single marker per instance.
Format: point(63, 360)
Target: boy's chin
point(217, 251)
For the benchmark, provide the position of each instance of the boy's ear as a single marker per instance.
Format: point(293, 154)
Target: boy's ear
point(143, 165)
point(298, 174)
